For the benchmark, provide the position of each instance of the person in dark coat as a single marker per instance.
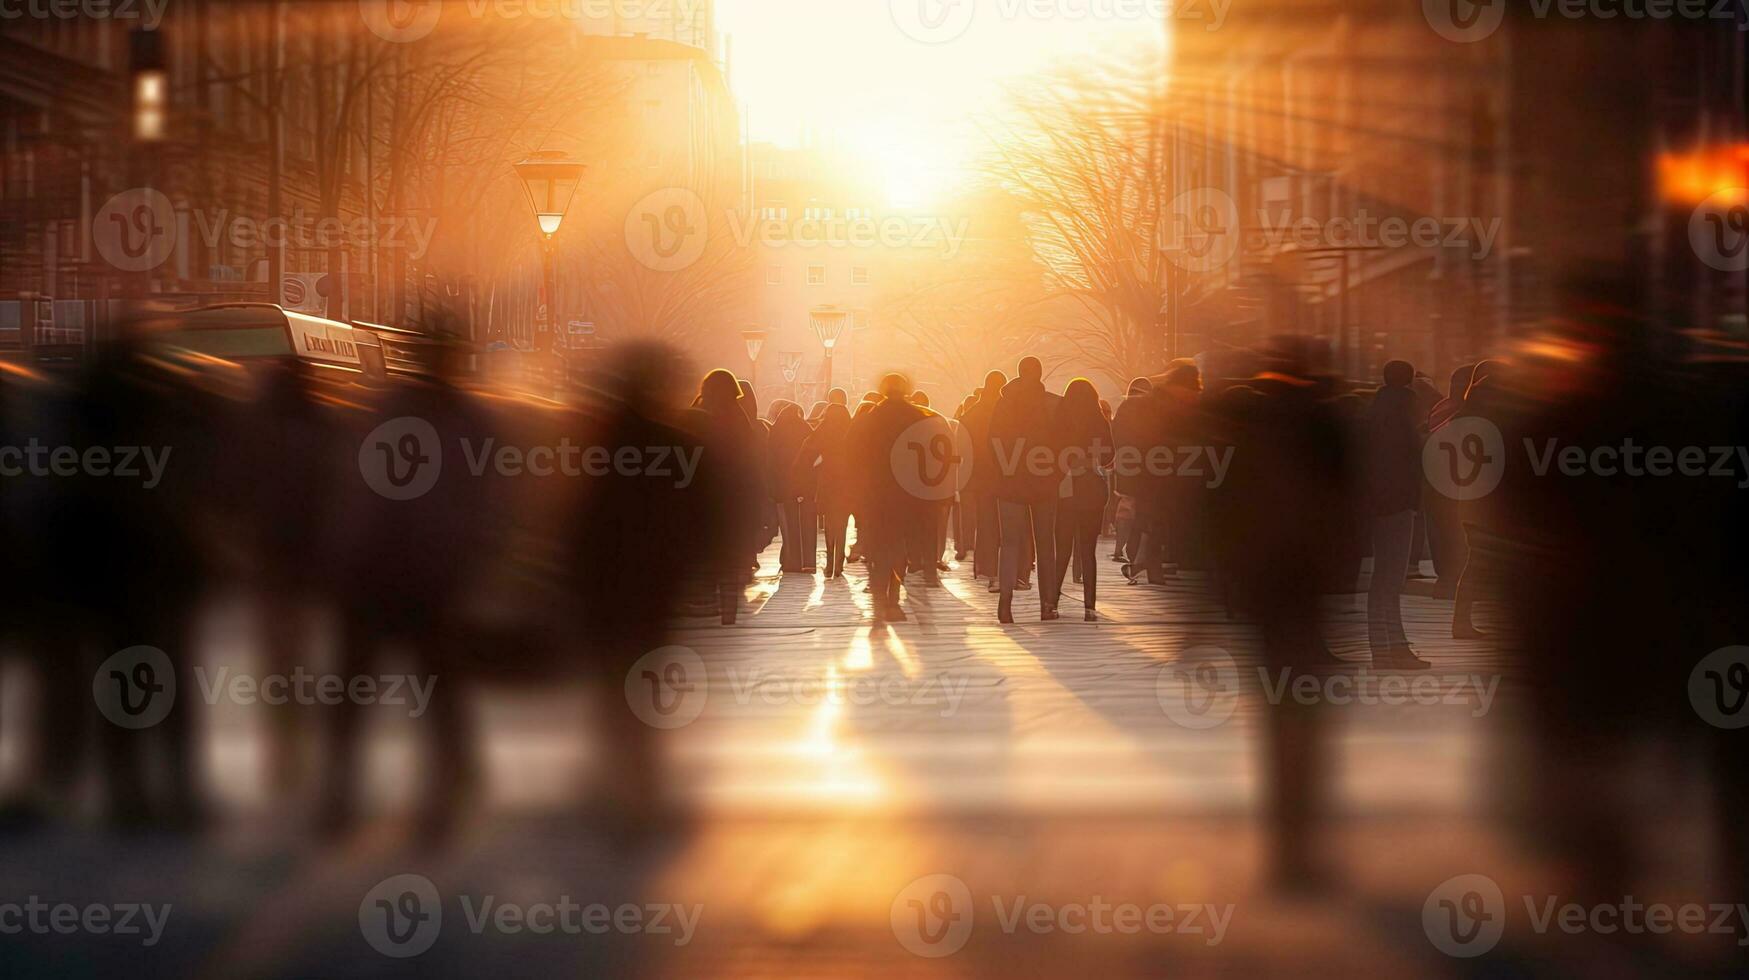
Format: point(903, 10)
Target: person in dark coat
point(891, 511)
point(794, 498)
point(759, 452)
point(1131, 430)
point(823, 460)
point(1087, 451)
point(981, 484)
point(965, 522)
point(1393, 490)
point(1023, 445)
point(732, 449)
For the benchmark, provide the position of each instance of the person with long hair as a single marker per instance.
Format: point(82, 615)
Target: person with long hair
point(1087, 450)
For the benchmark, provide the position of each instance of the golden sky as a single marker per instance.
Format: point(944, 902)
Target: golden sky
point(897, 81)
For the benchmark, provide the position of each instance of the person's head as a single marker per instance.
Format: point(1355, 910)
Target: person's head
point(895, 387)
point(1080, 400)
point(1139, 387)
point(838, 396)
point(835, 418)
point(1184, 376)
point(718, 390)
point(1398, 374)
point(787, 411)
point(1031, 369)
point(871, 396)
point(994, 381)
point(777, 406)
point(817, 412)
point(919, 399)
point(1487, 375)
point(1460, 381)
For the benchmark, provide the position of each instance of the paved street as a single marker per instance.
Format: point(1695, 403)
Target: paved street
point(834, 762)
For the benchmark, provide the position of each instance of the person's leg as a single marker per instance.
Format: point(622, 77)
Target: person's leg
point(1065, 542)
point(1088, 525)
point(837, 526)
point(809, 536)
point(1012, 526)
point(1390, 563)
point(962, 527)
point(1044, 538)
point(988, 560)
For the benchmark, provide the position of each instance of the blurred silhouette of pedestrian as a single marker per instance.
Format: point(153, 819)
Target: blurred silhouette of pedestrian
point(1393, 489)
point(1087, 450)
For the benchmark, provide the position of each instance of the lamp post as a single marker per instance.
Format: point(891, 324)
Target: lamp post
point(828, 323)
point(791, 362)
point(754, 338)
point(549, 178)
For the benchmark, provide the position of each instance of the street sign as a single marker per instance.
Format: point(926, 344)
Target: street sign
point(582, 328)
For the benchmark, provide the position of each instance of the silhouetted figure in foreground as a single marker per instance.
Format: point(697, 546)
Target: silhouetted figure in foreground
point(888, 513)
point(1393, 486)
point(1024, 441)
point(1087, 448)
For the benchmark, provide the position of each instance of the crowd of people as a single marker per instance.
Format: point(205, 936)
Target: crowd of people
point(1273, 485)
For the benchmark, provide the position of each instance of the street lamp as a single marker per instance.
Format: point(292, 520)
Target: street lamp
point(755, 341)
point(549, 178)
point(151, 95)
point(828, 323)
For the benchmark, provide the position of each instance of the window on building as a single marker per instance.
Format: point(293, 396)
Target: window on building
point(859, 275)
point(816, 275)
